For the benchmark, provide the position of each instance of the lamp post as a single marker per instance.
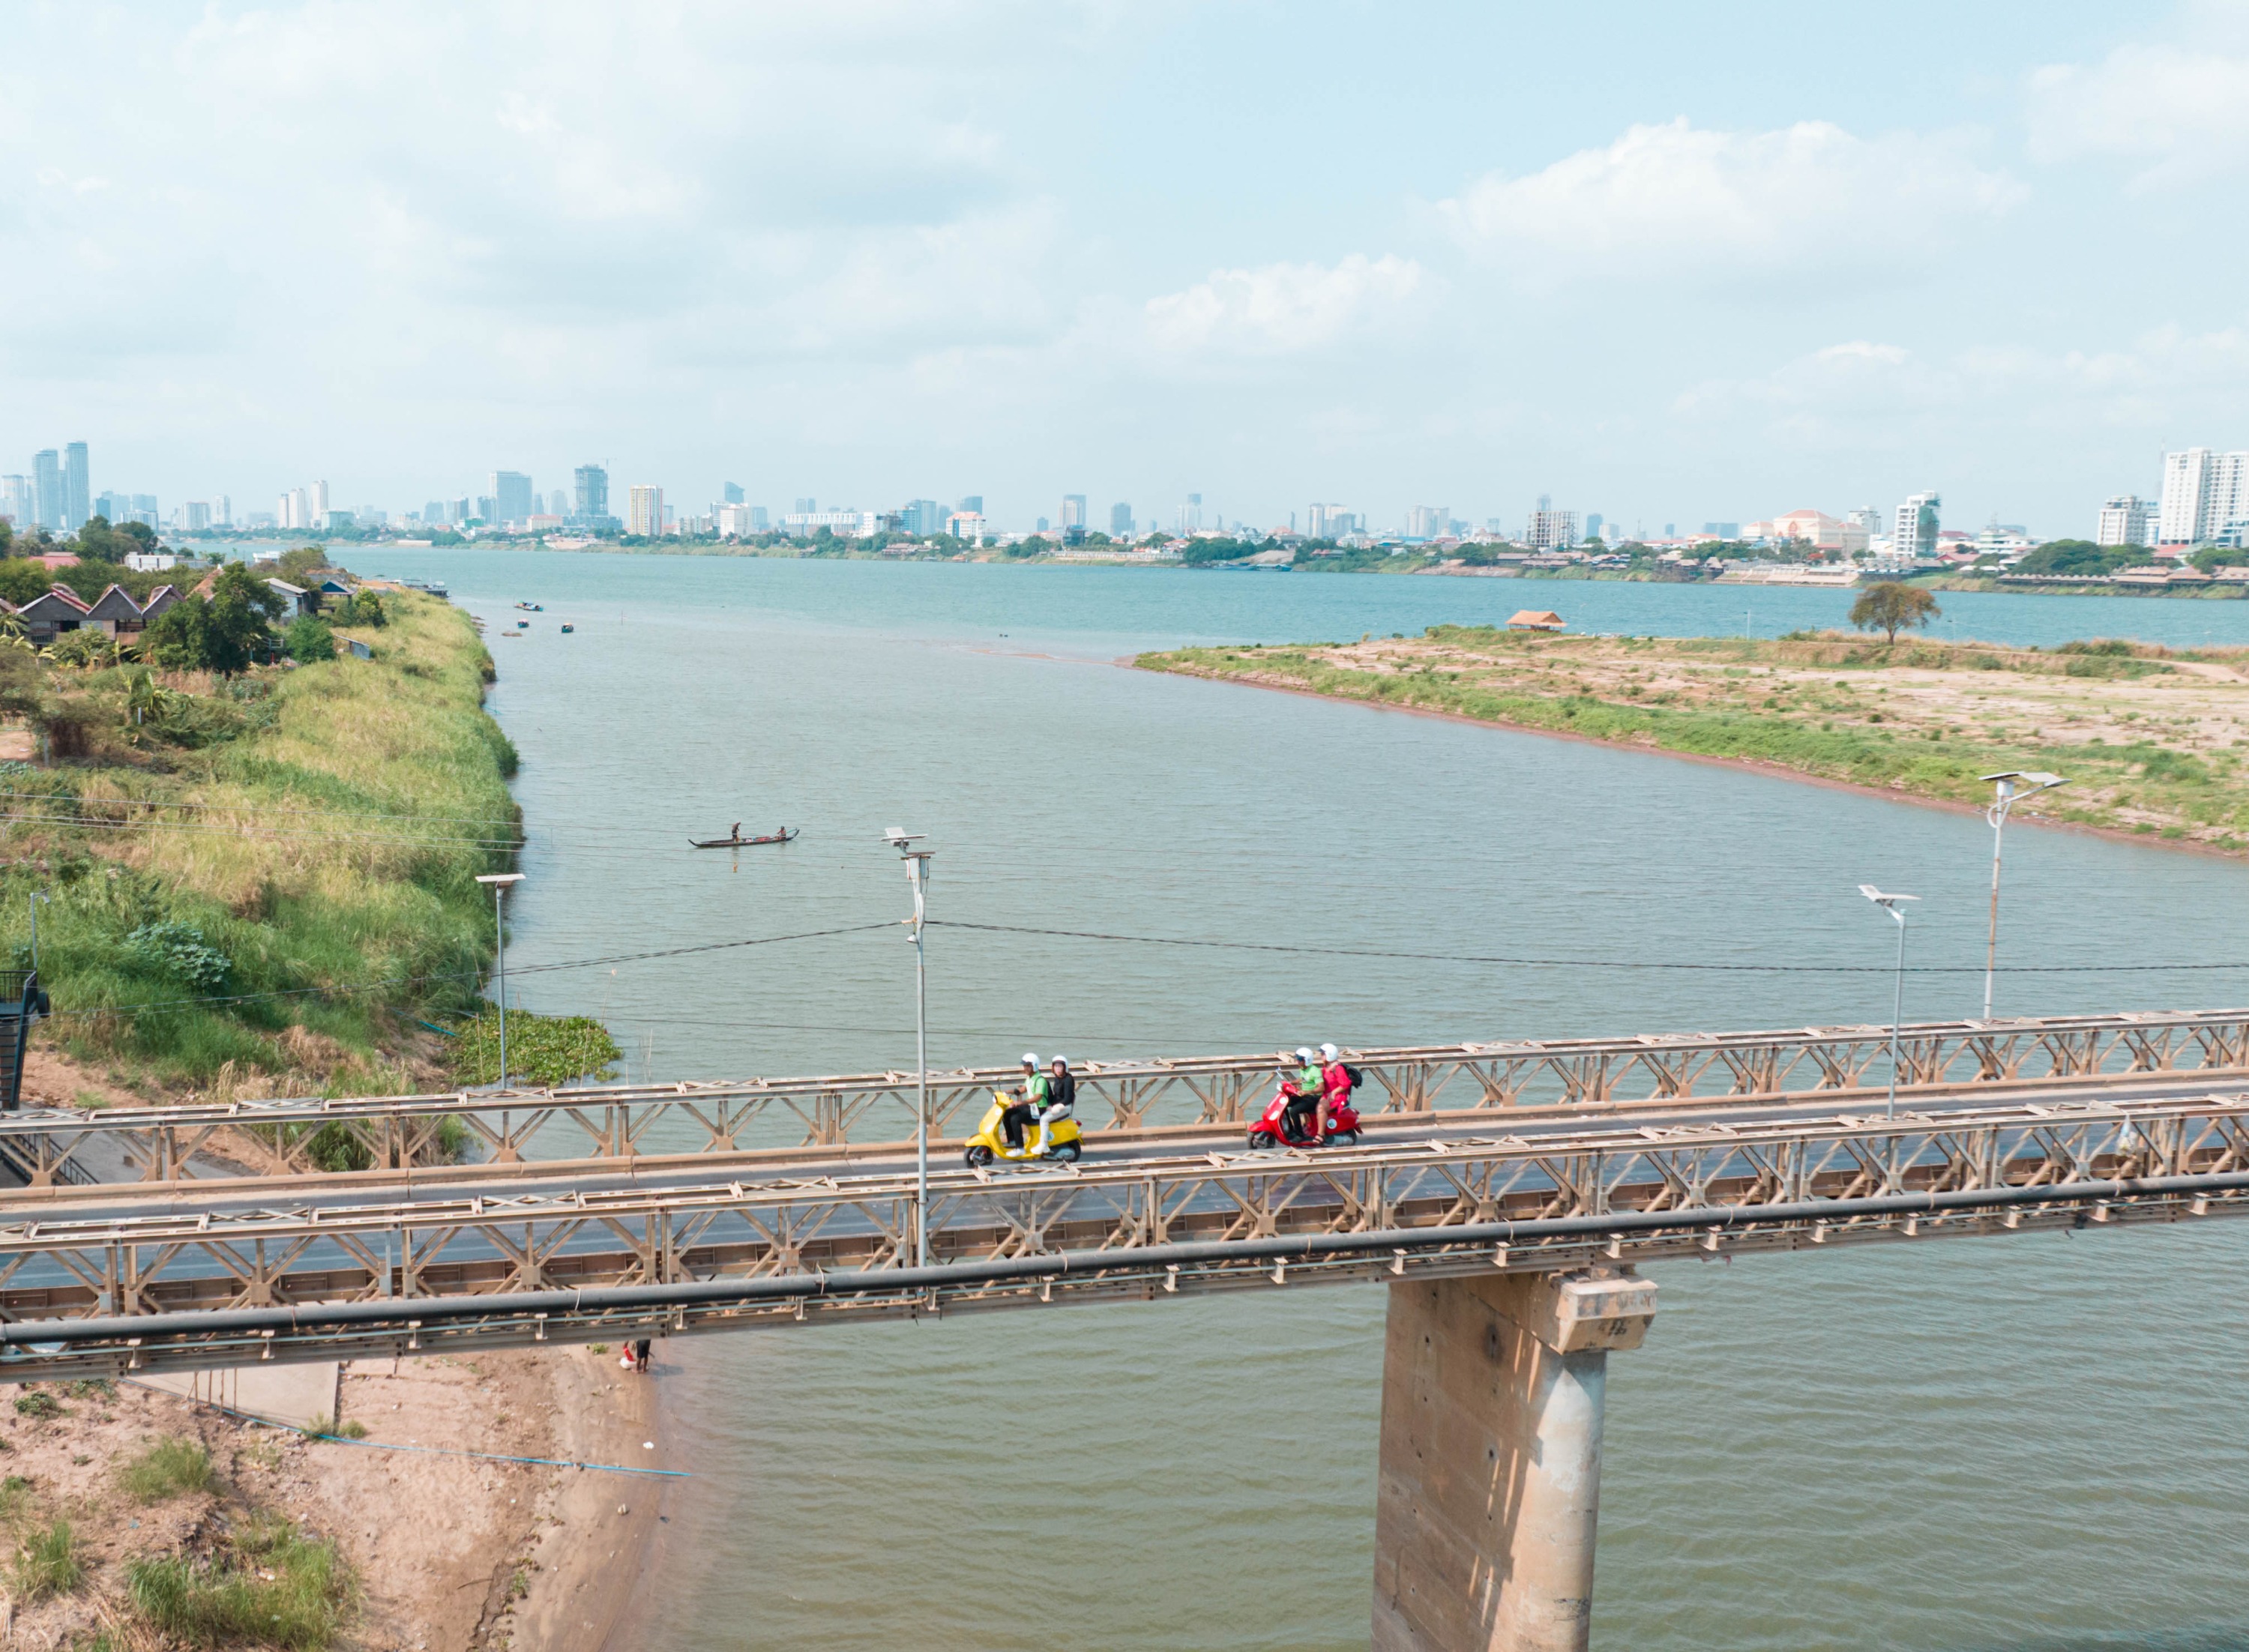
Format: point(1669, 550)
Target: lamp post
point(499, 882)
point(2014, 787)
point(917, 863)
point(38, 896)
point(1889, 904)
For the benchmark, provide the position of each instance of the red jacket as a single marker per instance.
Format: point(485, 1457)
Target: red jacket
point(1336, 1082)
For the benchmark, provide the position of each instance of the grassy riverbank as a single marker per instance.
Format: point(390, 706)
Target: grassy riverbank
point(256, 882)
point(2153, 742)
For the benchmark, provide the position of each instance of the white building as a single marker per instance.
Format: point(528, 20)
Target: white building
point(1550, 529)
point(847, 524)
point(644, 511)
point(151, 561)
point(1073, 510)
point(735, 521)
point(1427, 521)
point(2205, 491)
point(1914, 532)
point(967, 525)
point(2127, 519)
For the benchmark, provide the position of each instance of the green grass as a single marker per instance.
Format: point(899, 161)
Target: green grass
point(328, 838)
point(47, 1562)
point(269, 1587)
point(168, 1468)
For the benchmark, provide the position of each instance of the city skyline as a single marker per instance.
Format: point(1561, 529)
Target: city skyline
point(1710, 286)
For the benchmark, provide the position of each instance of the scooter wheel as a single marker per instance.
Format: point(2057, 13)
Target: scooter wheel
point(1261, 1142)
point(1067, 1153)
point(978, 1156)
point(1345, 1138)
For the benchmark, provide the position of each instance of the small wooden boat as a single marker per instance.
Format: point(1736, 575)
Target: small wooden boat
point(568, 629)
point(781, 836)
point(533, 607)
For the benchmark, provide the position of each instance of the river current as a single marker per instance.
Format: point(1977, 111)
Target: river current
point(2034, 1443)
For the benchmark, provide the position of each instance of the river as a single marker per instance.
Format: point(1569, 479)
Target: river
point(2030, 1442)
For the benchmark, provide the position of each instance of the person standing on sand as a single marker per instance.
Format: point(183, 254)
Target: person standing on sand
point(640, 1357)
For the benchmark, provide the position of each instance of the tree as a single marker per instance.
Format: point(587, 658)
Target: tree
point(222, 635)
point(309, 640)
point(1893, 605)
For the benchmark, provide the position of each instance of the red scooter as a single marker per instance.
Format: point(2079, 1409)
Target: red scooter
point(1272, 1129)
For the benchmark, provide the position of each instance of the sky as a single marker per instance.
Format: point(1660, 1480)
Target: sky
point(1671, 263)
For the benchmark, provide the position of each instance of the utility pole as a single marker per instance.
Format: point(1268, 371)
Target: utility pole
point(917, 862)
point(499, 882)
point(1889, 904)
point(36, 896)
point(1996, 816)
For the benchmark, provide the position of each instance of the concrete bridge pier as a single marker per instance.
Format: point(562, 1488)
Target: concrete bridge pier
point(1491, 1457)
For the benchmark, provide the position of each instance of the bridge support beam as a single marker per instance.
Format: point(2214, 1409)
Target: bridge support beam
point(1491, 1457)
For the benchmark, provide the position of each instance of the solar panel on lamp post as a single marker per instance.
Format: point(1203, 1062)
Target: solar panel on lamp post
point(917, 862)
point(499, 882)
point(1889, 904)
point(2014, 786)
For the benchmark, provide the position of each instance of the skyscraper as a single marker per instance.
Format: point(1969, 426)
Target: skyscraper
point(645, 514)
point(16, 501)
point(2204, 493)
point(1915, 533)
point(1120, 521)
point(77, 487)
point(558, 503)
point(972, 504)
point(732, 494)
point(47, 489)
point(592, 485)
point(922, 517)
point(2126, 519)
point(1427, 521)
point(316, 509)
point(1073, 510)
point(1191, 514)
point(511, 496)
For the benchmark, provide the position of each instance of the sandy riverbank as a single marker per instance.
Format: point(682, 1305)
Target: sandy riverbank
point(445, 1553)
point(2152, 741)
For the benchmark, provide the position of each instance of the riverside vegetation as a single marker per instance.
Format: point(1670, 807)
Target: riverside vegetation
point(259, 871)
point(2152, 740)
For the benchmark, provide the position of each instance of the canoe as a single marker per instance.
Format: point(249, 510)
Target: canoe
point(568, 629)
point(533, 607)
point(781, 836)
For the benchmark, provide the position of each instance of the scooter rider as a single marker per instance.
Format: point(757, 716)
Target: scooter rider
point(1030, 1102)
point(1307, 1099)
point(1335, 1086)
point(1061, 1097)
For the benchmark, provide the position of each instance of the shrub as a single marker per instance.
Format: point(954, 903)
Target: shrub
point(541, 1049)
point(48, 1562)
point(270, 1587)
point(179, 950)
point(38, 1405)
point(168, 1468)
point(309, 640)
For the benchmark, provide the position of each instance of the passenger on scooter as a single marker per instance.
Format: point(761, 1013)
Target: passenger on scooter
point(1335, 1086)
point(1061, 1095)
point(1030, 1102)
point(1303, 1087)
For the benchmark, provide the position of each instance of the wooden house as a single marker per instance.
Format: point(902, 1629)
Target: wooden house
point(47, 617)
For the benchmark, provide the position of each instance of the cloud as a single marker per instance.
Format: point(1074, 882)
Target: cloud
point(1284, 309)
point(2186, 112)
point(1675, 197)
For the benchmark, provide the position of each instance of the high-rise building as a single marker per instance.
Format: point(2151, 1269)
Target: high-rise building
point(2127, 519)
point(1073, 510)
point(922, 517)
point(1594, 520)
point(558, 503)
point(1427, 521)
point(317, 506)
point(732, 494)
point(113, 507)
point(592, 494)
point(16, 501)
point(2205, 492)
point(1191, 515)
point(1550, 529)
point(1722, 530)
point(77, 487)
point(143, 509)
point(47, 489)
point(194, 516)
point(1913, 534)
point(1120, 521)
point(225, 514)
point(645, 514)
point(971, 504)
point(512, 496)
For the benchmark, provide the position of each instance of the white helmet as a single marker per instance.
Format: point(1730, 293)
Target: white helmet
point(1303, 1052)
point(1030, 1060)
point(1058, 1060)
point(1330, 1051)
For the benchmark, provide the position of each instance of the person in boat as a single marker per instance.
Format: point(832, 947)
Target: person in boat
point(1030, 1102)
point(1306, 1093)
point(735, 831)
point(1062, 1096)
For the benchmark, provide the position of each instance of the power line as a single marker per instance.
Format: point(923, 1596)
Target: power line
point(1582, 963)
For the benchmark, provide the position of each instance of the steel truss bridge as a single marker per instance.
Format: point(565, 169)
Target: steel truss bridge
point(544, 1131)
point(2121, 1121)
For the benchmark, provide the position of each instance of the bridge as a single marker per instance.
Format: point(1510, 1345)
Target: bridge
point(1509, 1225)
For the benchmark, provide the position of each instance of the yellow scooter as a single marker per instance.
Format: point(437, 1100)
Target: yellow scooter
point(990, 1141)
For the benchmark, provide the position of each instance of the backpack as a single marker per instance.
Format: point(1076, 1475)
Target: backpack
point(1352, 1073)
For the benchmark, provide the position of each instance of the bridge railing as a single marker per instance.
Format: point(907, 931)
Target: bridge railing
point(1143, 1227)
point(626, 1121)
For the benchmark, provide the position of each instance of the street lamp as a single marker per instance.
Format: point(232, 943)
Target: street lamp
point(499, 882)
point(1889, 904)
point(917, 863)
point(2014, 787)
